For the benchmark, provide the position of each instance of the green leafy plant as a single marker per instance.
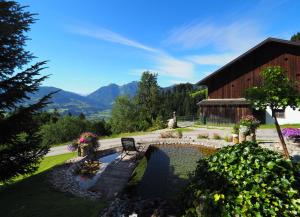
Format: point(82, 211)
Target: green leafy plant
point(243, 180)
point(216, 136)
point(228, 138)
point(235, 129)
point(203, 136)
point(250, 121)
point(172, 134)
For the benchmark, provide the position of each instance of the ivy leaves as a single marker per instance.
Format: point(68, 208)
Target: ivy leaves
point(244, 180)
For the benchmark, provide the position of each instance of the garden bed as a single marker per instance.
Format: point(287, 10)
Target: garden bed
point(71, 177)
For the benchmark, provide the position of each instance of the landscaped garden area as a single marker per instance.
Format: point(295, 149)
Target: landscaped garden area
point(171, 171)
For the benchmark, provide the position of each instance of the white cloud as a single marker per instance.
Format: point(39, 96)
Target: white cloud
point(173, 67)
point(236, 36)
point(107, 35)
point(213, 59)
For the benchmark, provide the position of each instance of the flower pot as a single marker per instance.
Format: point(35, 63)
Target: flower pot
point(293, 139)
point(244, 130)
point(83, 150)
point(235, 138)
point(251, 138)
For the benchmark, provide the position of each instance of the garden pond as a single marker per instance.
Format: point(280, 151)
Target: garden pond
point(164, 170)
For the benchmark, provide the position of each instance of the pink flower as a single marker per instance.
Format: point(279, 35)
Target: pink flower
point(81, 140)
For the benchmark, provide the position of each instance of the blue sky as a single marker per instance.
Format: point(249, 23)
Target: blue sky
point(93, 43)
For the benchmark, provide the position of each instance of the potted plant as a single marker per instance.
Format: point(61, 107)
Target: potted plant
point(87, 144)
point(235, 133)
point(291, 134)
point(248, 126)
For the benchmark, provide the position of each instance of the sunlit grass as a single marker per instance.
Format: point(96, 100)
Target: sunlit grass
point(33, 196)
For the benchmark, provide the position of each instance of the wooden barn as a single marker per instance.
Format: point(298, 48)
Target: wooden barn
point(227, 85)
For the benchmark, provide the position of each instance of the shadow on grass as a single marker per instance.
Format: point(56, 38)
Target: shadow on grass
point(34, 197)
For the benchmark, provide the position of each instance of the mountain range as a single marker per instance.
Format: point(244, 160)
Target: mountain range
point(91, 105)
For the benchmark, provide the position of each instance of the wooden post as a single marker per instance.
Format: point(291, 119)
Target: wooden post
point(285, 150)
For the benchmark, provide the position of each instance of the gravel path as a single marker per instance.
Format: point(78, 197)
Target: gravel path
point(264, 135)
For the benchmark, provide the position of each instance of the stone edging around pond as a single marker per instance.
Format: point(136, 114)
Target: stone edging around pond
point(210, 143)
point(294, 149)
point(63, 179)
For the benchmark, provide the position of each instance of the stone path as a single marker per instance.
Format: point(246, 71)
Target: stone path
point(115, 177)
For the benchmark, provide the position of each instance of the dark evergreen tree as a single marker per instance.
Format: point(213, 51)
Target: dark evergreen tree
point(82, 116)
point(182, 98)
point(296, 37)
point(20, 144)
point(148, 99)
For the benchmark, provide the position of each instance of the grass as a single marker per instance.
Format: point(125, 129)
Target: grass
point(34, 197)
point(272, 126)
point(138, 173)
point(263, 126)
point(184, 129)
point(125, 135)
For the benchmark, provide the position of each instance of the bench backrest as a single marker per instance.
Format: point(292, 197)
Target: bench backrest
point(128, 144)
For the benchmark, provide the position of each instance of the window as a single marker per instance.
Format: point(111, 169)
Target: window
point(279, 113)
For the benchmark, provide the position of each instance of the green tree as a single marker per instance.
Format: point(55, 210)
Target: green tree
point(124, 115)
point(148, 98)
point(296, 37)
point(65, 129)
point(275, 92)
point(20, 144)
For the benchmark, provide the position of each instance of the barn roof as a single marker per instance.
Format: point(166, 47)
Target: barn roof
point(212, 102)
point(248, 53)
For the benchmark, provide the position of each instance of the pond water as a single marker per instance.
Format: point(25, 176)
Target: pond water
point(168, 168)
point(87, 182)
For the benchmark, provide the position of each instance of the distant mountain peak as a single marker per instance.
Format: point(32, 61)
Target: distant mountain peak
point(108, 94)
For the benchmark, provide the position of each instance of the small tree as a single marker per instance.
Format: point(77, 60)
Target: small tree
point(124, 115)
point(276, 92)
point(296, 37)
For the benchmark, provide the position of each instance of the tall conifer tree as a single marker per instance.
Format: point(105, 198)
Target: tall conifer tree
point(20, 144)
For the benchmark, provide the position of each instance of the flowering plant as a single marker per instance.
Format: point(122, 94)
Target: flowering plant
point(87, 137)
point(250, 121)
point(73, 146)
point(291, 132)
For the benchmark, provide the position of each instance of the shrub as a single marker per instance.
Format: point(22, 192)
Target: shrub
point(203, 136)
point(171, 134)
point(64, 130)
point(69, 128)
point(243, 180)
point(158, 124)
point(216, 136)
point(235, 129)
point(228, 138)
point(179, 133)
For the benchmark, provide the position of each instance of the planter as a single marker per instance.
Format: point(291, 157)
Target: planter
point(251, 137)
point(295, 139)
point(84, 150)
point(235, 138)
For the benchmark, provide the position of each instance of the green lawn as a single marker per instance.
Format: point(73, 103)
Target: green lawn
point(272, 126)
point(124, 135)
point(263, 126)
point(34, 197)
point(184, 129)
